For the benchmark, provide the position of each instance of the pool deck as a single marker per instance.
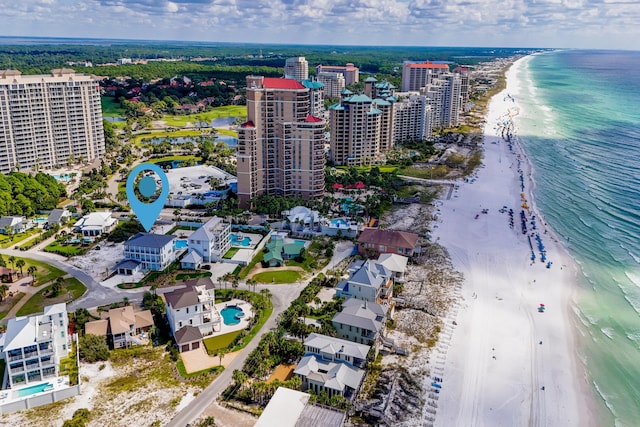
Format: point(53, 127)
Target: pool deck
point(247, 309)
point(58, 383)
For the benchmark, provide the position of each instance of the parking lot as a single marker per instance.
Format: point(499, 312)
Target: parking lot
point(195, 179)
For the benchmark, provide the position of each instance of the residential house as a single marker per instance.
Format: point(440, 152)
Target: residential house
point(360, 321)
point(212, 240)
point(302, 217)
point(15, 224)
point(397, 264)
point(368, 281)
point(376, 241)
point(95, 224)
point(291, 408)
point(122, 326)
point(58, 216)
point(34, 345)
point(332, 365)
point(193, 307)
point(279, 251)
point(152, 251)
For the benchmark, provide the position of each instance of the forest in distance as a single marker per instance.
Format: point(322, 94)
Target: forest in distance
point(40, 55)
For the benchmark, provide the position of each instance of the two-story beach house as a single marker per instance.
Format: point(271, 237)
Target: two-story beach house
point(151, 251)
point(360, 321)
point(123, 326)
point(333, 365)
point(212, 240)
point(33, 346)
point(15, 224)
point(191, 312)
point(369, 281)
point(375, 241)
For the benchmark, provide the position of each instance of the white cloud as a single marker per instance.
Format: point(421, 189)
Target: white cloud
point(544, 23)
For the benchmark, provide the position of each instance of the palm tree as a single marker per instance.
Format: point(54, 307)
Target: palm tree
point(12, 260)
point(20, 263)
point(221, 355)
point(32, 270)
point(3, 291)
point(265, 293)
point(56, 288)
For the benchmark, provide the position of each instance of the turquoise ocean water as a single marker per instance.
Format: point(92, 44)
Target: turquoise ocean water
point(580, 127)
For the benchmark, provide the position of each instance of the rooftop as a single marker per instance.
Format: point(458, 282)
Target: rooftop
point(280, 83)
point(150, 240)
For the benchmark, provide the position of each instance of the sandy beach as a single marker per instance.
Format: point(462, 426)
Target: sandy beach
point(507, 364)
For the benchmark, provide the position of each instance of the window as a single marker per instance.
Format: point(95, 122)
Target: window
point(180, 324)
point(62, 334)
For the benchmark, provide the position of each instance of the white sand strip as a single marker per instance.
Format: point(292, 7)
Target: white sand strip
point(495, 366)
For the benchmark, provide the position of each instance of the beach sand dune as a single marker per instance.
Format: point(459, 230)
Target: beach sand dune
point(503, 351)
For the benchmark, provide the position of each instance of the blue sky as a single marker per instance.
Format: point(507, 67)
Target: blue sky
point(509, 23)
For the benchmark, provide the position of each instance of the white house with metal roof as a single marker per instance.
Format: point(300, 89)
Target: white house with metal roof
point(212, 240)
point(333, 365)
point(368, 281)
point(15, 224)
point(395, 263)
point(95, 224)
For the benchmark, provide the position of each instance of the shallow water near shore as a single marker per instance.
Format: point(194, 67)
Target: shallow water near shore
point(579, 123)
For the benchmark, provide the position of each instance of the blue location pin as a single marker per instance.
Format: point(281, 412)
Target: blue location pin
point(147, 213)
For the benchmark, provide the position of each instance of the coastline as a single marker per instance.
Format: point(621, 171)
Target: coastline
point(497, 368)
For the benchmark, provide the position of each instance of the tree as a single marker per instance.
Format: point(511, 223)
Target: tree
point(12, 260)
point(93, 348)
point(32, 270)
point(221, 355)
point(81, 317)
point(20, 263)
point(56, 288)
point(3, 291)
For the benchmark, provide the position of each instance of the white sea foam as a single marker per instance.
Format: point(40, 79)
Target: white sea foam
point(609, 332)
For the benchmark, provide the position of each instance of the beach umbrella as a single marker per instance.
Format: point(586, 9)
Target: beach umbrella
point(541, 305)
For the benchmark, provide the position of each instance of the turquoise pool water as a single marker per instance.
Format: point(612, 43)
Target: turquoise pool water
point(40, 220)
point(181, 244)
point(339, 223)
point(244, 241)
point(232, 315)
point(301, 242)
point(28, 391)
point(65, 177)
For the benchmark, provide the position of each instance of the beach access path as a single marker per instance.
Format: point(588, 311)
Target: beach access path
point(507, 363)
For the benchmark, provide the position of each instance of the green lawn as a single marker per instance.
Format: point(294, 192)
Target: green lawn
point(36, 303)
point(256, 259)
point(111, 108)
point(141, 137)
point(195, 275)
point(220, 342)
point(172, 158)
point(437, 172)
point(8, 303)
point(44, 272)
point(64, 250)
point(278, 277)
point(230, 253)
point(217, 112)
point(6, 241)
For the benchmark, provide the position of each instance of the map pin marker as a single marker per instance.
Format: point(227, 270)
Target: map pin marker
point(147, 213)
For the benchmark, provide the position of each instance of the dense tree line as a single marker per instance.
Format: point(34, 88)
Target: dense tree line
point(23, 194)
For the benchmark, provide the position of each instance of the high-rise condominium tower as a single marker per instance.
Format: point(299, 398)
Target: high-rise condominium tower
point(281, 146)
point(296, 68)
point(46, 120)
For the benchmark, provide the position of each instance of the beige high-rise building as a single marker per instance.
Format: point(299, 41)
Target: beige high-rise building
point(296, 68)
point(411, 118)
point(443, 95)
point(416, 75)
point(45, 120)
point(281, 146)
point(334, 83)
point(350, 72)
point(361, 130)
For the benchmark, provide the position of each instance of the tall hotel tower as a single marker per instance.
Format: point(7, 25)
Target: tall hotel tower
point(281, 146)
point(47, 119)
point(296, 68)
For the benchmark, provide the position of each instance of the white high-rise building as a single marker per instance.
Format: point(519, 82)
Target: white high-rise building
point(411, 117)
point(45, 120)
point(334, 84)
point(443, 95)
point(296, 68)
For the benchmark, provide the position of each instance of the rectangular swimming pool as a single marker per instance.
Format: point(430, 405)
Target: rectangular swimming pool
point(28, 391)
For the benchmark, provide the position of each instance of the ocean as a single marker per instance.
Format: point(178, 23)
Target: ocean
point(580, 126)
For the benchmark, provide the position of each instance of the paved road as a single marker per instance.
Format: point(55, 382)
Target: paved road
point(282, 296)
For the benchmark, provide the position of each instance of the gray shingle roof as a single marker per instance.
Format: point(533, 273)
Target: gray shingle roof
point(187, 334)
point(150, 240)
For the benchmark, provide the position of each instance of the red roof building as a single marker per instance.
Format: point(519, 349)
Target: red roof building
point(279, 83)
point(375, 241)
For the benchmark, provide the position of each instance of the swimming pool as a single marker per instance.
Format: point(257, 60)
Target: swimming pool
point(339, 223)
point(40, 220)
point(244, 241)
point(181, 244)
point(64, 177)
point(28, 391)
point(300, 242)
point(231, 315)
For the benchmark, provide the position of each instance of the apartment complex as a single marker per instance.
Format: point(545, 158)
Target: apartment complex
point(361, 129)
point(334, 83)
point(416, 75)
point(444, 97)
point(411, 117)
point(47, 119)
point(350, 72)
point(296, 68)
point(281, 146)
point(316, 96)
point(33, 346)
